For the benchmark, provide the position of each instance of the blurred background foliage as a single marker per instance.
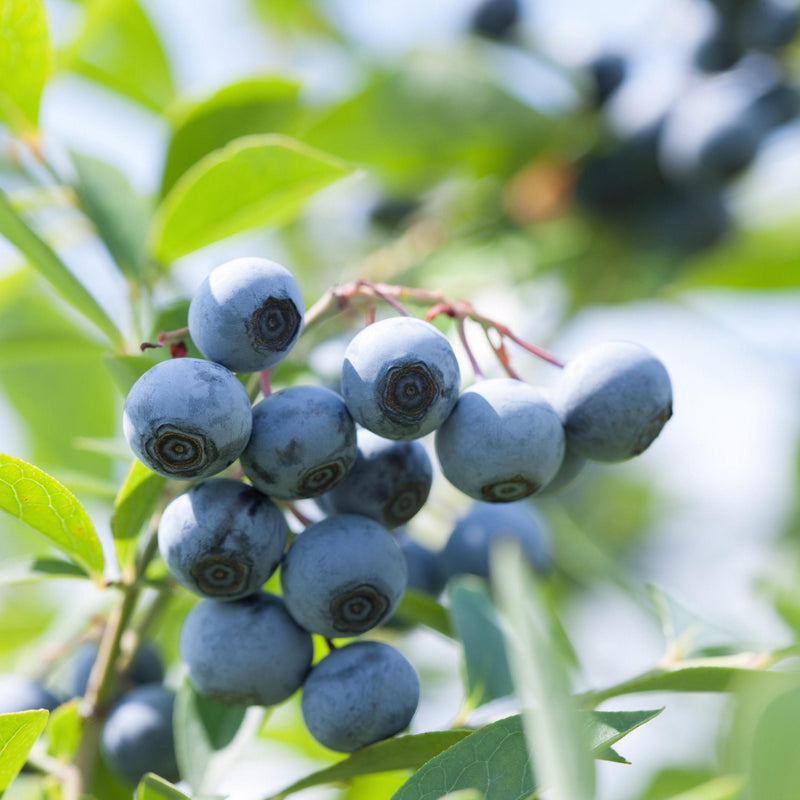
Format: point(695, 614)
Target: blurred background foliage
point(460, 147)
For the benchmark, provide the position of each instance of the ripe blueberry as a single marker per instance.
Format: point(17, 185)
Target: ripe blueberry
point(247, 314)
point(146, 667)
point(614, 399)
point(359, 694)
point(187, 418)
point(343, 576)
point(400, 378)
point(245, 652)
point(424, 566)
point(388, 482)
point(222, 538)
point(303, 443)
point(502, 442)
point(18, 693)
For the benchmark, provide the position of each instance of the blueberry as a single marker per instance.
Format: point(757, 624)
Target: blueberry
point(614, 400)
point(571, 466)
point(147, 667)
point(424, 567)
point(389, 481)
point(222, 538)
point(187, 418)
point(247, 314)
point(245, 652)
point(467, 548)
point(777, 105)
point(18, 693)
point(343, 576)
point(303, 443)
point(607, 71)
point(358, 695)
point(502, 442)
point(138, 737)
point(769, 24)
point(495, 19)
point(400, 378)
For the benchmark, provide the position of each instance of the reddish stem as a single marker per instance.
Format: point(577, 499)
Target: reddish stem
point(373, 287)
point(265, 381)
point(298, 515)
point(472, 360)
point(166, 337)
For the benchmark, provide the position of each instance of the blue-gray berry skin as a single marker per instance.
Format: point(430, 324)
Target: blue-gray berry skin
point(147, 667)
point(400, 378)
point(358, 695)
point(614, 399)
point(503, 441)
point(222, 539)
point(389, 481)
point(18, 693)
point(187, 418)
point(303, 443)
point(138, 736)
point(424, 567)
point(572, 465)
point(343, 576)
point(467, 548)
point(245, 652)
point(247, 314)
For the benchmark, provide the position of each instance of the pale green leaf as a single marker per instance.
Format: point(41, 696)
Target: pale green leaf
point(64, 730)
point(252, 182)
point(151, 787)
point(420, 608)
point(24, 62)
point(726, 787)
point(18, 732)
point(47, 506)
point(29, 569)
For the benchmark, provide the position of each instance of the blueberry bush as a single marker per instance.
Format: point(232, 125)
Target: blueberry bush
point(301, 489)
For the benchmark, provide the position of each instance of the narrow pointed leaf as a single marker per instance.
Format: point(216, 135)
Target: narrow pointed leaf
point(151, 787)
point(18, 732)
point(418, 607)
point(30, 569)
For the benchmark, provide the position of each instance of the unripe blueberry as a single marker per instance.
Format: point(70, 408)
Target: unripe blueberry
point(138, 737)
point(359, 694)
point(343, 576)
point(502, 442)
point(303, 443)
point(245, 652)
point(388, 482)
point(187, 418)
point(146, 667)
point(222, 538)
point(425, 573)
point(400, 378)
point(614, 400)
point(247, 314)
point(18, 693)
point(467, 549)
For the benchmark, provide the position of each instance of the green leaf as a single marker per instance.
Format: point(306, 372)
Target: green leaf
point(404, 752)
point(475, 620)
point(257, 105)
point(301, 17)
point(24, 62)
point(41, 502)
point(64, 730)
point(605, 728)
point(120, 215)
point(43, 259)
point(18, 732)
point(151, 787)
point(29, 569)
point(670, 781)
point(726, 787)
point(207, 735)
point(119, 49)
point(253, 181)
point(418, 607)
point(134, 505)
point(557, 740)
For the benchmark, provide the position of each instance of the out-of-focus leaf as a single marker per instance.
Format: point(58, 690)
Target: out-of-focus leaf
point(24, 62)
point(64, 730)
point(18, 732)
point(253, 181)
point(727, 787)
point(30, 569)
point(50, 508)
point(257, 105)
point(152, 787)
point(126, 370)
point(475, 621)
point(43, 259)
point(404, 752)
point(418, 607)
point(119, 48)
point(673, 780)
point(120, 215)
point(67, 366)
point(557, 741)
point(134, 505)
point(294, 16)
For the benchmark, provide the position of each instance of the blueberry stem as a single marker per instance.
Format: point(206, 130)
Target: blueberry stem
point(462, 334)
point(297, 514)
point(166, 337)
point(265, 382)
